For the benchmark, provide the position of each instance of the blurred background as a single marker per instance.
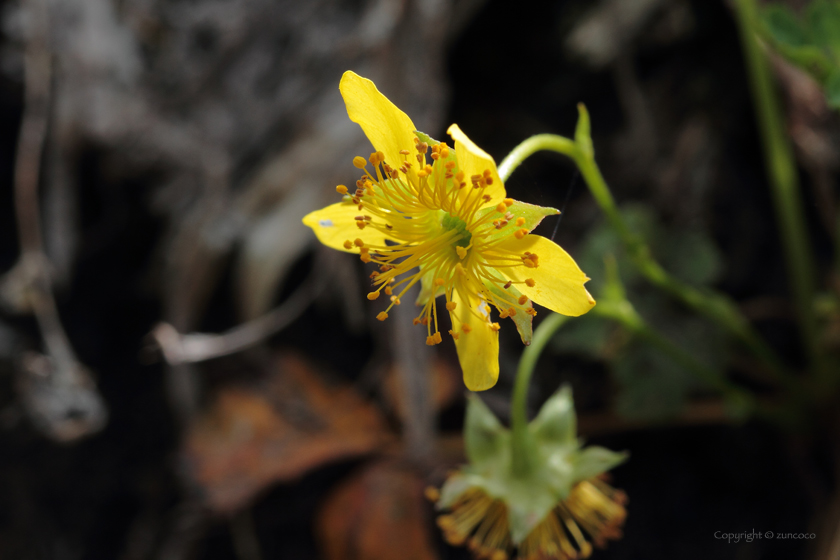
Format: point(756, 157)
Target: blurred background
point(186, 374)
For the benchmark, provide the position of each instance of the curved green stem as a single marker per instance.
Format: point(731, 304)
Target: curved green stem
point(714, 306)
point(781, 171)
point(521, 442)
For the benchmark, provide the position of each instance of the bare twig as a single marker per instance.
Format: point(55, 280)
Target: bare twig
point(57, 391)
point(180, 348)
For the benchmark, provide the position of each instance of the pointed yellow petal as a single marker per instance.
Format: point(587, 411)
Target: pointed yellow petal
point(478, 349)
point(336, 224)
point(558, 279)
point(474, 161)
point(388, 129)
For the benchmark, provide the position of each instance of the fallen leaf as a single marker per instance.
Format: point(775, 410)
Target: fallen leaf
point(378, 514)
point(293, 422)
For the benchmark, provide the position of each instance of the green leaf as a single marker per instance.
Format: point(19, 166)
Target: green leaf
point(588, 335)
point(784, 26)
point(832, 89)
point(823, 19)
point(531, 213)
point(594, 460)
point(482, 433)
point(556, 423)
point(691, 256)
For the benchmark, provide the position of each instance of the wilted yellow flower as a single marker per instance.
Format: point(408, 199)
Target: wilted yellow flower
point(424, 212)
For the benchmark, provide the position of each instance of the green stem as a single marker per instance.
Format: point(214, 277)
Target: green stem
point(521, 442)
point(781, 170)
point(715, 307)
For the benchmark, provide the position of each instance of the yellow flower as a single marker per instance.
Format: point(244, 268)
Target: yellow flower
point(425, 212)
point(481, 523)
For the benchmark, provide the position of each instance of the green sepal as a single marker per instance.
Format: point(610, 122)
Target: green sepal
point(594, 460)
point(523, 321)
point(531, 213)
point(583, 136)
point(483, 435)
point(556, 423)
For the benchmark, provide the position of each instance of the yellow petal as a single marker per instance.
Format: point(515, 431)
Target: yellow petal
point(336, 224)
point(388, 129)
point(478, 350)
point(558, 279)
point(474, 161)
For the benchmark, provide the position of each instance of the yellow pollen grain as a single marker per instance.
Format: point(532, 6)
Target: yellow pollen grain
point(365, 258)
point(466, 328)
point(359, 162)
point(358, 242)
point(380, 156)
point(501, 208)
point(382, 316)
point(404, 152)
point(523, 300)
point(531, 311)
point(530, 282)
point(454, 334)
point(395, 300)
point(416, 321)
point(451, 305)
point(494, 327)
point(348, 244)
point(388, 290)
point(440, 282)
point(462, 253)
point(509, 201)
point(520, 233)
point(520, 222)
point(373, 295)
point(341, 189)
point(360, 225)
point(511, 312)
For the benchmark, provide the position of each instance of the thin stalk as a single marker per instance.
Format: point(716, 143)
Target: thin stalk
point(781, 170)
point(521, 442)
point(714, 306)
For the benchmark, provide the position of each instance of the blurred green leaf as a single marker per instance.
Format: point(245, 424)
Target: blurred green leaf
point(784, 26)
point(823, 17)
point(832, 89)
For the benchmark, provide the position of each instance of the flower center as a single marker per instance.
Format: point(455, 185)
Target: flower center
point(454, 223)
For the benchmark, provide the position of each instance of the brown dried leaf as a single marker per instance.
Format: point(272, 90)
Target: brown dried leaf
point(253, 437)
point(378, 514)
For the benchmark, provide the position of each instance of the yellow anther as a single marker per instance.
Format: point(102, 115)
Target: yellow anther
point(494, 327)
point(348, 244)
point(509, 202)
point(380, 156)
point(428, 169)
point(511, 312)
point(422, 147)
point(451, 305)
point(373, 159)
point(462, 253)
point(358, 242)
point(501, 208)
point(439, 282)
point(359, 162)
point(365, 258)
point(449, 164)
point(360, 225)
point(459, 176)
point(435, 156)
point(531, 311)
point(520, 233)
point(363, 250)
point(404, 152)
point(430, 341)
point(341, 189)
point(466, 328)
point(438, 338)
point(382, 316)
point(508, 284)
point(460, 269)
point(422, 174)
point(523, 300)
point(432, 494)
point(454, 334)
point(444, 152)
point(388, 290)
point(424, 321)
point(416, 321)
point(530, 282)
point(504, 314)
point(520, 221)
point(373, 295)
point(395, 300)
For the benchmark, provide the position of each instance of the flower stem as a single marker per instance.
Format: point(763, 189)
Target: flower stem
point(781, 170)
point(521, 441)
point(714, 306)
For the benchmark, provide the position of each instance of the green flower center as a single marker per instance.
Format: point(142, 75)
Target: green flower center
point(450, 223)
